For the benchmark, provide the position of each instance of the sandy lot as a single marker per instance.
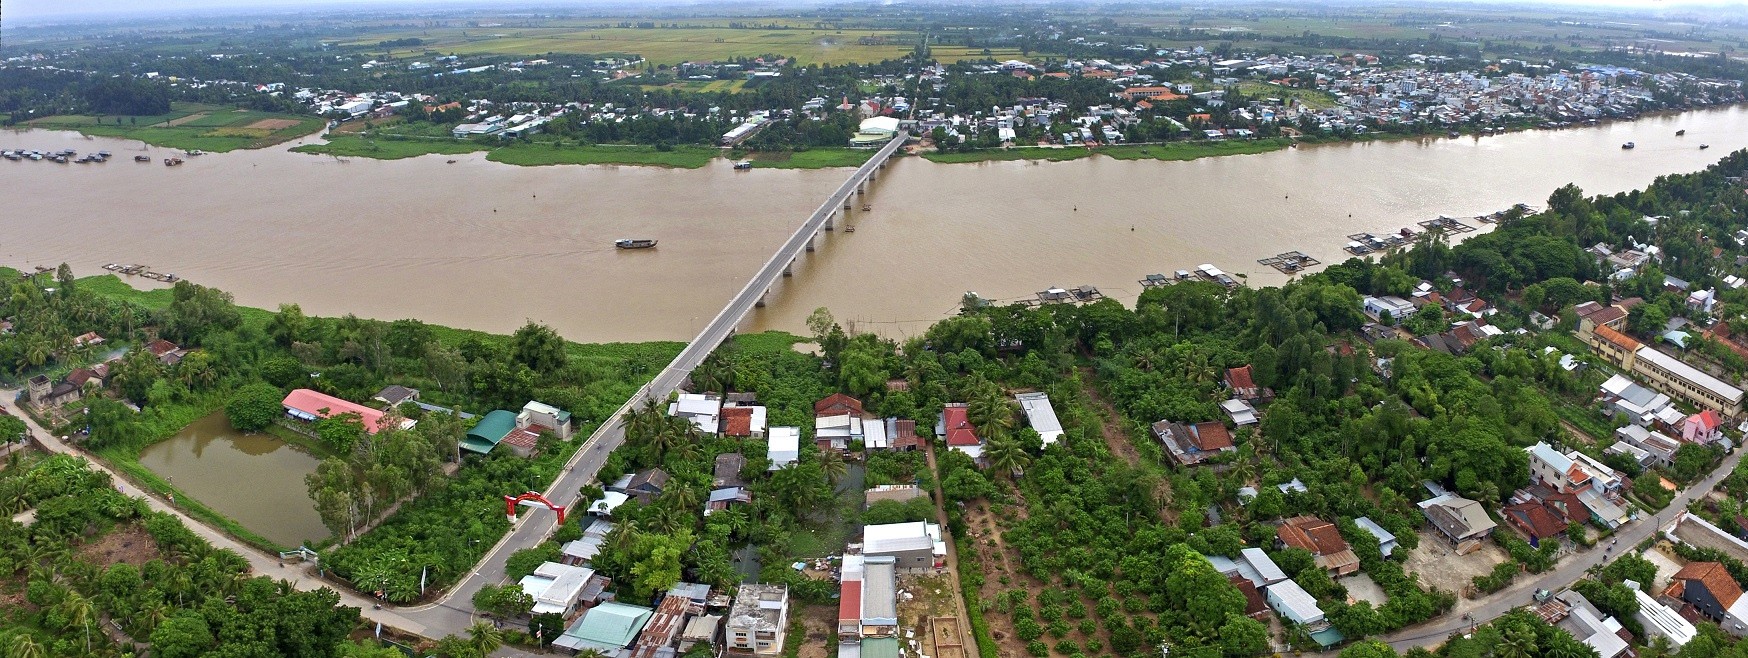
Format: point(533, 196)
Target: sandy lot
point(1361, 588)
point(272, 124)
point(126, 544)
point(1441, 567)
point(1667, 563)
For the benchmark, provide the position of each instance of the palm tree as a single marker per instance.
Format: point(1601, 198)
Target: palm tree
point(14, 495)
point(1517, 643)
point(484, 638)
point(1197, 369)
point(24, 645)
point(833, 464)
point(1007, 455)
point(991, 412)
point(78, 611)
point(152, 614)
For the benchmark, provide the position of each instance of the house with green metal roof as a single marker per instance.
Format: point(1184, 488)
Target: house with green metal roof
point(491, 429)
point(606, 628)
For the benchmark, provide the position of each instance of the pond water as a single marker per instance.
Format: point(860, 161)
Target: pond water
point(255, 479)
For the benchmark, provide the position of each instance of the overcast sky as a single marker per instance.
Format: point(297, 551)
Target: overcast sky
point(25, 10)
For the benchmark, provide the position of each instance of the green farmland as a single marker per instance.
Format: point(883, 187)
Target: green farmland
point(192, 126)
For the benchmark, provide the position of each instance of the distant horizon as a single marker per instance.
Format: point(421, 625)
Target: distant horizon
point(31, 12)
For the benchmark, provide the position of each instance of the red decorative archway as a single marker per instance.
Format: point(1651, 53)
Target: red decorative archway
point(510, 503)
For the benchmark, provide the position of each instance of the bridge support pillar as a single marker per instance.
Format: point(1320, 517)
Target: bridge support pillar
point(761, 302)
point(810, 242)
point(789, 270)
point(861, 187)
point(834, 215)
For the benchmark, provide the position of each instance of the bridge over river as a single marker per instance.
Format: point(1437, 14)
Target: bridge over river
point(454, 612)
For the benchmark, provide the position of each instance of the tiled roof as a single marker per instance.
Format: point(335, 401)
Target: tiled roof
point(1619, 339)
point(1312, 534)
point(1535, 519)
point(838, 404)
point(737, 421)
point(1239, 378)
point(1212, 435)
point(1714, 577)
point(959, 429)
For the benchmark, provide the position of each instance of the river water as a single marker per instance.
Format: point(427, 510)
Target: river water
point(487, 246)
point(255, 479)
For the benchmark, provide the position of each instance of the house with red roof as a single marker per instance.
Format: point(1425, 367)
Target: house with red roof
point(1534, 520)
point(1702, 428)
point(307, 405)
point(1322, 540)
point(1708, 589)
point(1193, 443)
point(955, 427)
point(1242, 382)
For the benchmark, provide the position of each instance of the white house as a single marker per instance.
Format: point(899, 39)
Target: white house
point(1398, 307)
point(1293, 603)
point(703, 410)
point(1040, 416)
point(1241, 412)
point(556, 588)
point(783, 446)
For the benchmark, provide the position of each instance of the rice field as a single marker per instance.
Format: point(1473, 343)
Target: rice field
point(673, 45)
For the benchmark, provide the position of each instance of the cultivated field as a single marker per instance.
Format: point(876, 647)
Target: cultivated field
point(1561, 29)
point(192, 126)
point(690, 41)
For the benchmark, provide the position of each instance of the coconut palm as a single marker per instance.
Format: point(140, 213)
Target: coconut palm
point(14, 495)
point(991, 412)
point(833, 464)
point(24, 645)
point(1517, 643)
point(153, 613)
point(484, 638)
point(78, 611)
point(1006, 454)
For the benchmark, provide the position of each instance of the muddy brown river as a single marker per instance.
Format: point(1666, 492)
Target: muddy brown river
point(488, 246)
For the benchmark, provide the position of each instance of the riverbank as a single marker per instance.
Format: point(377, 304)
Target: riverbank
point(527, 154)
point(192, 126)
point(1175, 151)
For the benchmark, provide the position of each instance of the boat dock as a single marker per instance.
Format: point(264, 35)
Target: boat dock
point(1447, 225)
point(1360, 244)
point(1076, 295)
point(1206, 272)
point(1290, 262)
point(142, 271)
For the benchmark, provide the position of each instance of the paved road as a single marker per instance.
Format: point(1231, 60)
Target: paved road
point(260, 563)
point(454, 611)
point(1570, 571)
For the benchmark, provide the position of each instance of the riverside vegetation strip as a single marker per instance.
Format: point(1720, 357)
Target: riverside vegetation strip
point(193, 126)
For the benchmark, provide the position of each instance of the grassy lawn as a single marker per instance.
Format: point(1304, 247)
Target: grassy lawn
point(193, 126)
point(388, 149)
point(1311, 98)
point(547, 153)
point(1175, 151)
point(1193, 150)
point(700, 86)
point(1017, 153)
point(810, 159)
